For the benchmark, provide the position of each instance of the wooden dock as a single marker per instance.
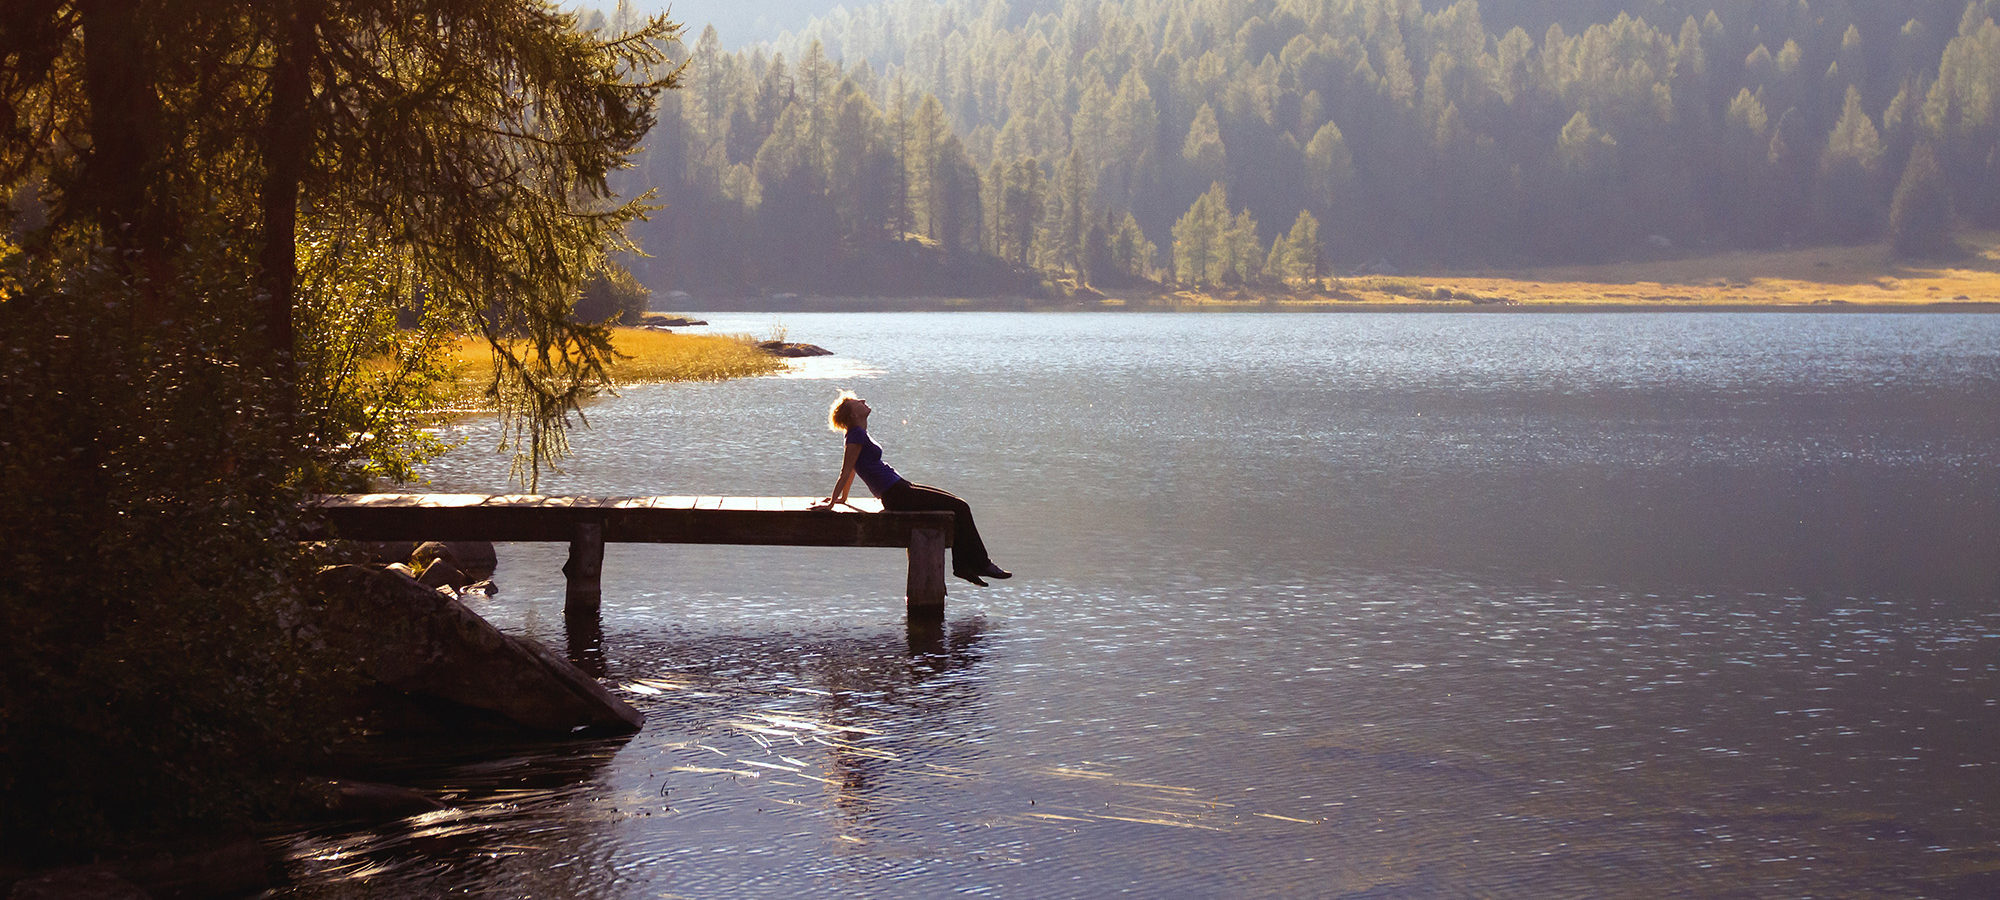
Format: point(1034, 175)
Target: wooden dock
point(588, 523)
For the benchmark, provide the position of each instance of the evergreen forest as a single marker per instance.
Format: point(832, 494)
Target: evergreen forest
point(972, 146)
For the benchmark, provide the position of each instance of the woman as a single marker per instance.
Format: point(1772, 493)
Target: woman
point(864, 458)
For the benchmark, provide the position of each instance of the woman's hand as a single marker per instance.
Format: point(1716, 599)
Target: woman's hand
point(826, 503)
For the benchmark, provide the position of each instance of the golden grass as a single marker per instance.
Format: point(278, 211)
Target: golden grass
point(646, 357)
point(1863, 276)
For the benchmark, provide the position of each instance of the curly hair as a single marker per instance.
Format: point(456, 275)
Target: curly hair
point(838, 418)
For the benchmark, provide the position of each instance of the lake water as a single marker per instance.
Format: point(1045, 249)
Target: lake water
point(1355, 605)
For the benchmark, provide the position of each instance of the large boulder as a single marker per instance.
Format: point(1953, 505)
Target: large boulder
point(416, 640)
point(474, 558)
point(81, 883)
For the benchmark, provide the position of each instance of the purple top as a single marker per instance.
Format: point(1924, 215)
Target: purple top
point(869, 465)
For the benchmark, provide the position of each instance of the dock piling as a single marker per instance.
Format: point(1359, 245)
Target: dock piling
point(584, 572)
point(925, 589)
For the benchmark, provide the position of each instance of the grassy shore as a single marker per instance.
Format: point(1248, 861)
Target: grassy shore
point(645, 356)
point(1817, 278)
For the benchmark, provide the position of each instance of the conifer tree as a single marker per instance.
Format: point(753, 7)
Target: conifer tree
point(1203, 241)
point(1202, 153)
point(1849, 178)
point(1131, 253)
point(1920, 214)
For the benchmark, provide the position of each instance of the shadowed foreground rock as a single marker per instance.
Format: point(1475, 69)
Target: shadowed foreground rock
point(413, 639)
point(236, 868)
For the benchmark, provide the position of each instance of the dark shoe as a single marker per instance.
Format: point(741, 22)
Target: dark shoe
point(968, 576)
point(993, 571)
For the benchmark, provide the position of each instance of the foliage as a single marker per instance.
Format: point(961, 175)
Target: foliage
point(1920, 217)
point(153, 674)
point(611, 294)
point(1458, 133)
point(238, 237)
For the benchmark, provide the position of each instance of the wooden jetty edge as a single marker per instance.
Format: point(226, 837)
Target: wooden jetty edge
point(588, 523)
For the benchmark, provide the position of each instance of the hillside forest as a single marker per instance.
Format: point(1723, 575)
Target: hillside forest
point(971, 146)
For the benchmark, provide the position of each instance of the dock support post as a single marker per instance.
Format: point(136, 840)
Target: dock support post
point(584, 593)
point(926, 586)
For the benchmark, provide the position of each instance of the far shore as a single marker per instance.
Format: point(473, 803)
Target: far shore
point(1819, 279)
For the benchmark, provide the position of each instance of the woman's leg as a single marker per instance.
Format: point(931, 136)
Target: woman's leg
point(968, 552)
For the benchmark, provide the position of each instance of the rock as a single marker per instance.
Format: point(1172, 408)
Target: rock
point(429, 552)
point(417, 641)
point(662, 320)
point(79, 883)
point(475, 558)
point(237, 868)
point(442, 574)
point(792, 350)
point(191, 867)
point(375, 802)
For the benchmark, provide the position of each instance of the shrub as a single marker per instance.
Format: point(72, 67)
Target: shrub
point(153, 679)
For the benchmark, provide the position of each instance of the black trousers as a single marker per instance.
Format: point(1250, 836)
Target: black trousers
point(968, 552)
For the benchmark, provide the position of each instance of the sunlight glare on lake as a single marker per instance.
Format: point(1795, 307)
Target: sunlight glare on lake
point(828, 368)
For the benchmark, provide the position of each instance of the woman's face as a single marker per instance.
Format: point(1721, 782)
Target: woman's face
point(857, 409)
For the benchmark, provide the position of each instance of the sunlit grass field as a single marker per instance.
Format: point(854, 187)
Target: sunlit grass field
point(645, 357)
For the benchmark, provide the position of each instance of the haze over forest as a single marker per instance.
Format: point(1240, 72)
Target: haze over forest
point(985, 146)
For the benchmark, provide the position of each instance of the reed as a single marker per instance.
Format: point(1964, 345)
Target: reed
point(645, 357)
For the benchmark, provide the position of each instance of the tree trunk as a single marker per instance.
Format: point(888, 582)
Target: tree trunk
point(125, 141)
point(287, 146)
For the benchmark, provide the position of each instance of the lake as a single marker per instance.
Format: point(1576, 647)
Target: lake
point(1333, 605)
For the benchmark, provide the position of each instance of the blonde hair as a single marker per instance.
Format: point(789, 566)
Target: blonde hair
point(838, 417)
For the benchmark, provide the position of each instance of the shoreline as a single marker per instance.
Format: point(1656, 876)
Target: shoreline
point(1032, 305)
point(1860, 278)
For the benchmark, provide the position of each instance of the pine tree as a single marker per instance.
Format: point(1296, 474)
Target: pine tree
point(1202, 240)
point(1849, 177)
point(1245, 253)
point(1073, 204)
point(1202, 153)
point(1295, 256)
point(1920, 215)
point(1131, 253)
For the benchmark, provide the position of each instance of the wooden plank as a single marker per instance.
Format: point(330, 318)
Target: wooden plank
point(524, 519)
point(588, 523)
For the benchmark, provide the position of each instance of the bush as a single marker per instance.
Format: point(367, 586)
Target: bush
point(152, 679)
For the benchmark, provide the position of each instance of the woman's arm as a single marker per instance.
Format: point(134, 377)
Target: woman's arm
point(845, 482)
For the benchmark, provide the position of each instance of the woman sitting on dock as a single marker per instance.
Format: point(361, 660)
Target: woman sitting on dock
point(898, 494)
